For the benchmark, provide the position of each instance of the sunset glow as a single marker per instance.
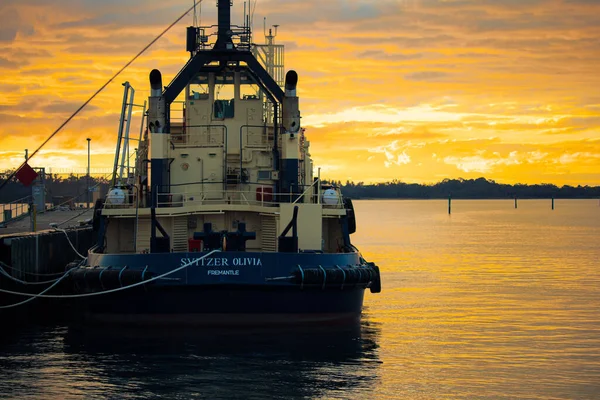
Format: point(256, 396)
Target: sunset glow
point(413, 90)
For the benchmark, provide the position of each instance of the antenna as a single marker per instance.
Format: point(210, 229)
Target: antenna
point(252, 14)
point(247, 32)
point(269, 38)
point(195, 20)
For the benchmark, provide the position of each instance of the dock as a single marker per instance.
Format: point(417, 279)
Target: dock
point(48, 250)
point(27, 257)
point(64, 219)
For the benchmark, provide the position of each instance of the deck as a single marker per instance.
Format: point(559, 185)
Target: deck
point(64, 220)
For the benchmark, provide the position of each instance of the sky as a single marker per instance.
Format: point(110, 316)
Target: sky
point(408, 90)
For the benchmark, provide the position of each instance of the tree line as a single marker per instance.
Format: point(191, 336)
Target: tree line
point(56, 186)
point(480, 188)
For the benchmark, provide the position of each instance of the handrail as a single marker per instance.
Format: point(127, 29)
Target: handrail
point(22, 204)
point(19, 200)
point(222, 128)
point(225, 197)
point(137, 211)
point(303, 193)
point(244, 198)
point(53, 207)
point(13, 207)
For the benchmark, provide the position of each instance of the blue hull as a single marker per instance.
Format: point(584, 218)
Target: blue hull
point(226, 288)
point(226, 306)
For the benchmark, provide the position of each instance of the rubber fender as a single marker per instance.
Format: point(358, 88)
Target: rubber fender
point(350, 215)
point(334, 276)
point(71, 265)
point(105, 279)
point(376, 283)
point(312, 276)
point(359, 275)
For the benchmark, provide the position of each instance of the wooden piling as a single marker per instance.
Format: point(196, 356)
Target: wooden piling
point(45, 252)
point(553, 202)
point(449, 204)
point(515, 201)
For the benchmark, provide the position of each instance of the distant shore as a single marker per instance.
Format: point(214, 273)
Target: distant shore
point(482, 198)
point(474, 189)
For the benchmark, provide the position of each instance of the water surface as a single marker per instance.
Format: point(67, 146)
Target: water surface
point(487, 303)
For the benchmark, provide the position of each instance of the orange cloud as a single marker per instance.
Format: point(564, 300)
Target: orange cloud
point(416, 90)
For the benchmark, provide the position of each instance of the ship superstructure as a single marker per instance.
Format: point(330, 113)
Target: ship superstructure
point(223, 190)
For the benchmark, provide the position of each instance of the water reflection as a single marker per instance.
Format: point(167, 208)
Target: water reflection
point(489, 303)
point(176, 363)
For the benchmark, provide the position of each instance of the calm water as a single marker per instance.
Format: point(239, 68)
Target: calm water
point(489, 303)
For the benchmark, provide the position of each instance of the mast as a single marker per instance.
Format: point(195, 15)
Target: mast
point(224, 41)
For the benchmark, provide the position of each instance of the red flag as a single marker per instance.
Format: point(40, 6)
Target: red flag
point(26, 175)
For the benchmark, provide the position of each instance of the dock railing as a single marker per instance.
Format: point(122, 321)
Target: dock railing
point(15, 209)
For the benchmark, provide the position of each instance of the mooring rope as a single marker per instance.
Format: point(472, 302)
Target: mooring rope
point(29, 273)
point(37, 295)
point(3, 272)
point(9, 276)
point(69, 240)
point(75, 216)
point(12, 175)
point(74, 296)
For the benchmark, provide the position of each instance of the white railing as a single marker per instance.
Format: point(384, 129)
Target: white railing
point(200, 136)
point(306, 192)
point(258, 195)
point(258, 198)
point(214, 197)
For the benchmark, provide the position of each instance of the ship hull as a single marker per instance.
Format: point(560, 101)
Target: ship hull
point(233, 289)
point(227, 306)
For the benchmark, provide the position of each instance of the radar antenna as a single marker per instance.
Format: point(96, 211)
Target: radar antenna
point(197, 13)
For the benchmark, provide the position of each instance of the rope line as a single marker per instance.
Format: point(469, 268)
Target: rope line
point(12, 175)
point(9, 276)
point(37, 295)
point(75, 216)
point(75, 296)
point(54, 207)
point(70, 243)
point(27, 272)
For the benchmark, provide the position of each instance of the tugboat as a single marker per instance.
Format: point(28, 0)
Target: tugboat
point(221, 220)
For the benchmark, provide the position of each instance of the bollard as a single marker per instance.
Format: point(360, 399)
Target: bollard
point(33, 217)
point(37, 253)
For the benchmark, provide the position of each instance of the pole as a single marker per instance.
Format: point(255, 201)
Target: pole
point(120, 134)
point(87, 196)
point(26, 154)
point(449, 204)
point(13, 173)
point(142, 123)
point(553, 202)
point(125, 154)
point(32, 217)
point(319, 186)
point(37, 253)
point(515, 201)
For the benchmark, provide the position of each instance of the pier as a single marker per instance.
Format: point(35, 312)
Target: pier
point(30, 258)
point(63, 219)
